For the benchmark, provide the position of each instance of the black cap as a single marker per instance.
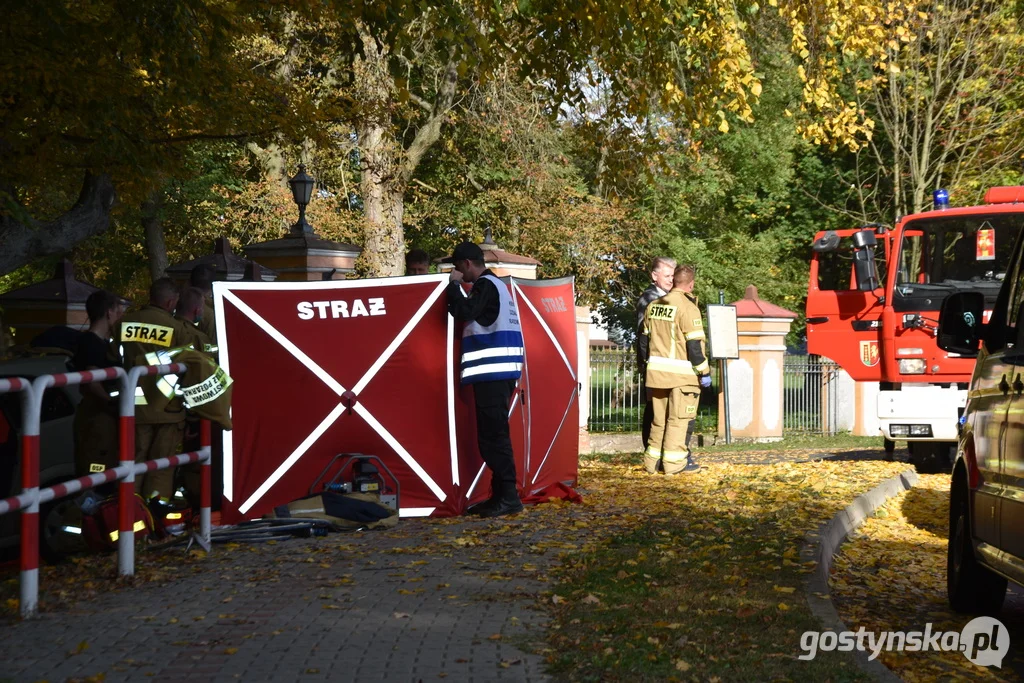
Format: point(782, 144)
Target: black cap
point(467, 251)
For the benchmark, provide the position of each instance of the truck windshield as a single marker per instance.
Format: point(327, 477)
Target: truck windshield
point(953, 253)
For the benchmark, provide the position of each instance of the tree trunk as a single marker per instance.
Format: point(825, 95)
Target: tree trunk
point(23, 239)
point(387, 168)
point(381, 183)
point(383, 205)
point(153, 228)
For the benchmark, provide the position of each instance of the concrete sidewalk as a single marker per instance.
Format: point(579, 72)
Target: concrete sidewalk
point(427, 601)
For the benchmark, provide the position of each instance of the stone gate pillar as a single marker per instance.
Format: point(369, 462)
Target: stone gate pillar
point(756, 377)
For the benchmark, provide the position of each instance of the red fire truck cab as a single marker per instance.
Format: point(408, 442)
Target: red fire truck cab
point(873, 303)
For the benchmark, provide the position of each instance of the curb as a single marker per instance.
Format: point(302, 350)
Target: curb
point(822, 545)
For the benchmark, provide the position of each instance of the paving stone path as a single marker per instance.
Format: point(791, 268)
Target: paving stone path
point(423, 602)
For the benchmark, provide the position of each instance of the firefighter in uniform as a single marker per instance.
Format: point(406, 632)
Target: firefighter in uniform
point(160, 421)
point(492, 361)
point(663, 269)
point(677, 369)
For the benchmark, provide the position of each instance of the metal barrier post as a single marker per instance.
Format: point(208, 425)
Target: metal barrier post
point(126, 489)
point(29, 561)
point(32, 402)
point(205, 482)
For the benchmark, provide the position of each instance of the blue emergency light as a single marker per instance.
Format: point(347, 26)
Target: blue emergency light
point(941, 199)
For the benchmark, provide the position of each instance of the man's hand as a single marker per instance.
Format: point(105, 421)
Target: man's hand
point(455, 276)
point(705, 381)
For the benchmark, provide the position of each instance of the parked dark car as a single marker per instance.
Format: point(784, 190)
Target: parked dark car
point(986, 505)
point(56, 452)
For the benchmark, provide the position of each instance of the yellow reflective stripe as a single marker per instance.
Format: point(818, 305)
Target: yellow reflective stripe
point(703, 368)
point(676, 456)
point(147, 333)
point(697, 334)
point(137, 527)
point(653, 452)
point(674, 365)
point(207, 390)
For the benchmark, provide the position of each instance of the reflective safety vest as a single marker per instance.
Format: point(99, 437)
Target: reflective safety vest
point(147, 331)
point(676, 352)
point(204, 389)
point(496, 351)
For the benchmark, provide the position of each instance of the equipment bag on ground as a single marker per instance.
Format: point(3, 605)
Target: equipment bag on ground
point(101, 527)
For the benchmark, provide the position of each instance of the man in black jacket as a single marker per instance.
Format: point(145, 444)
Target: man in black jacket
point(662, 269)
point(492, 359)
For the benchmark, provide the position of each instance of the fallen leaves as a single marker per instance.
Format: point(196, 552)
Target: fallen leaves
point(891, 576)
point(721, 547)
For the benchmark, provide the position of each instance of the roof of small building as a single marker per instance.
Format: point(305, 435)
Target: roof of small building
point(61, 288)
point(305, 241)
point(752, 306)
point(227, 265)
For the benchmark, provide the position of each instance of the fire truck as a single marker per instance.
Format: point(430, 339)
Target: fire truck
point(873, 303)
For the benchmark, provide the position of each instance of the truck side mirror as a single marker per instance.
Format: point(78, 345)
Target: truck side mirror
point(864, 269)
point(960, 323)
point(828, 242)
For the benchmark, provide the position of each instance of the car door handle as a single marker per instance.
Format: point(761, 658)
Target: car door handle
point(1018, 386)
point(1004, 386)
point(818, 320)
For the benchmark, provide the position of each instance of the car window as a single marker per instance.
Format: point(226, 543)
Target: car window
point(1002, 327)
point(56, 405)
point(10, 427)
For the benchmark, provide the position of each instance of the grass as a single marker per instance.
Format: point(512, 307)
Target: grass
point(837, 442)
point(790, 442)
point(704, 582)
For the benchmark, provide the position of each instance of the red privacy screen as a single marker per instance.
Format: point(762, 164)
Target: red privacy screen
point(370, 366)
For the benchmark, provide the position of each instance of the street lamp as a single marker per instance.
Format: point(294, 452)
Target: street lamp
point(302, 190)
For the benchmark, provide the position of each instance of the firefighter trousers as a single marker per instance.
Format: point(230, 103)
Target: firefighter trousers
point(669, 445)
point(154, 441)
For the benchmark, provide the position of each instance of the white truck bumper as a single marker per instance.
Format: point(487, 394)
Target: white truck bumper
point(918, 407)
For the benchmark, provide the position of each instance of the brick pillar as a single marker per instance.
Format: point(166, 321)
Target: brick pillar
point(756, 377)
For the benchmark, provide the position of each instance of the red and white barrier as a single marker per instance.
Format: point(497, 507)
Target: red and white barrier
point(32, 496)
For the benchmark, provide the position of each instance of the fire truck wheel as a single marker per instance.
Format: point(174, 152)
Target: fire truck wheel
point(970, 587)
point(931, 457)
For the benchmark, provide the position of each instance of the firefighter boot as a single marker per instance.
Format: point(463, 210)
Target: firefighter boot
point(508, 503)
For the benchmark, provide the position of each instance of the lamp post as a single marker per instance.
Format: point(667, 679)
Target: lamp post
point(302, 191)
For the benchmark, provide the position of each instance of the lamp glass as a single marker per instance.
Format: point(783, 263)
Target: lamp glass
point(302, 186)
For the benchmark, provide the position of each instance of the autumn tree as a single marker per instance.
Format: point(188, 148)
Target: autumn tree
point(947, 103)
point(391, 79)
point(98, 99)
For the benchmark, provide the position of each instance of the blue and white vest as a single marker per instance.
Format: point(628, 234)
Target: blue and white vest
point(496, 351)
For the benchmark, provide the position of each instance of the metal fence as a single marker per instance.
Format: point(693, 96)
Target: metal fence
point(615, 404)
point(810, 388)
